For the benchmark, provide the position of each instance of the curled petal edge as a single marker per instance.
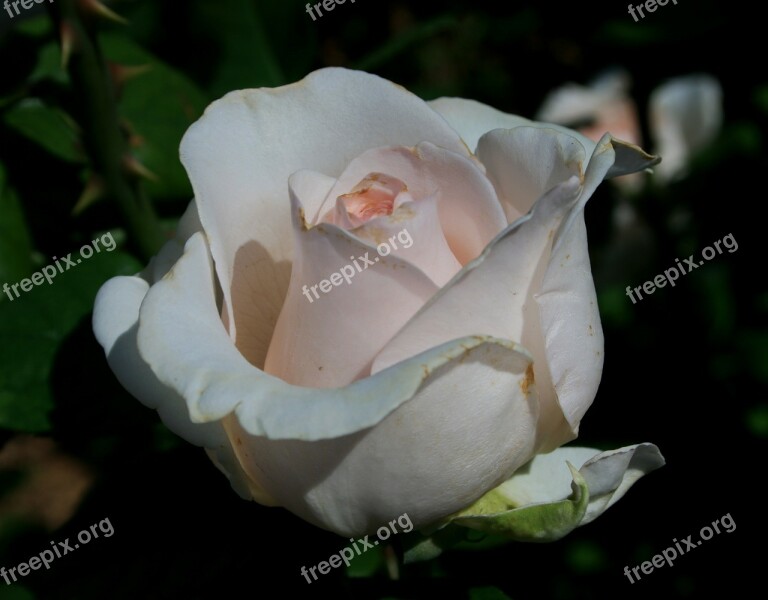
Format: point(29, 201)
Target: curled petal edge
point(180, 312)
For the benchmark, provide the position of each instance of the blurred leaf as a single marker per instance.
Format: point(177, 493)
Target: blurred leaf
point(367, 564)
point(15, 592)
point(628, 33)
point(753, 346)
point(761, 302)
point(739, 138)
point(15, 243)
point(487, 593)
point(247, 58)
point(586, 557)
point(757, 421)
point(35, 27)
point(615, 306)
point(717, 299)
point(761, 97)
point(46, 126)
point(33, 326)
point(400, 44)
point(48, 65)
point(164, 439)
point(158, 106)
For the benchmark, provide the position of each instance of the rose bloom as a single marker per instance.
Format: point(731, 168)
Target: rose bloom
point(428, 381)
point(685, 115)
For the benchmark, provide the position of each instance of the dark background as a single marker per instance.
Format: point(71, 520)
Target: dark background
point(685, 368)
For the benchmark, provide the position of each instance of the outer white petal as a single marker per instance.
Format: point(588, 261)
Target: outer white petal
point(526, 162)
point(496, 295)
point(608, 474)
point(468, 427)
point(685, 114)
point(473, 120)
point(418, 408)
point(115, 324)
point(240, 154)
point(546, 302)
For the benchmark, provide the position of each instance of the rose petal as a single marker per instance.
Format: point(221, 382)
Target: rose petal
point(487, 296)
point(376, 299)
point(540, 522)
point(240, 154)
point(526, 162)
point(609, 475)
point(603, 107)
point(183, 340)
point(473, 119)
point(438, 455)
point(685, 116)
point(534, 505)
point(413, 234)
point(470, 212)
point(115, 324)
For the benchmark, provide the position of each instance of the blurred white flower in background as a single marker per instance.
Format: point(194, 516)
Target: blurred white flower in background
point(684, 116)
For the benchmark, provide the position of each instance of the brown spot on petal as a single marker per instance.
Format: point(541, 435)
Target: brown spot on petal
point(303, 219)
point(528, 380)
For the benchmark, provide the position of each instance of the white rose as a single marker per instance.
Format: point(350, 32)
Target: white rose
point(430, 377)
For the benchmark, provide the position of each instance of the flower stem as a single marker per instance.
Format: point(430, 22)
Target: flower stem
point(103, 139)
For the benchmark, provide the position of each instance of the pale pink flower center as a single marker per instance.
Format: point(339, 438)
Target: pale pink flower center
point(373, 197)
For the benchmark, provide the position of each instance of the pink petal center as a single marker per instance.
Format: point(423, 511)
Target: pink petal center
point(373, 197)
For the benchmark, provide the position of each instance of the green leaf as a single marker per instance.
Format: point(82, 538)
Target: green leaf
point(46, 126)
point(487, 593)
point(757, 421)
point(246, 58)
point(753, 348)
point(15, 592)
point(544, 522)
point(399, 45)
point(760, 97)
point(36, 27)
point(586, 557)
point(419, 547)
point(367, 564)
point(15, 243)
point(34, 325)
point(48, 65)
point(158, 107)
